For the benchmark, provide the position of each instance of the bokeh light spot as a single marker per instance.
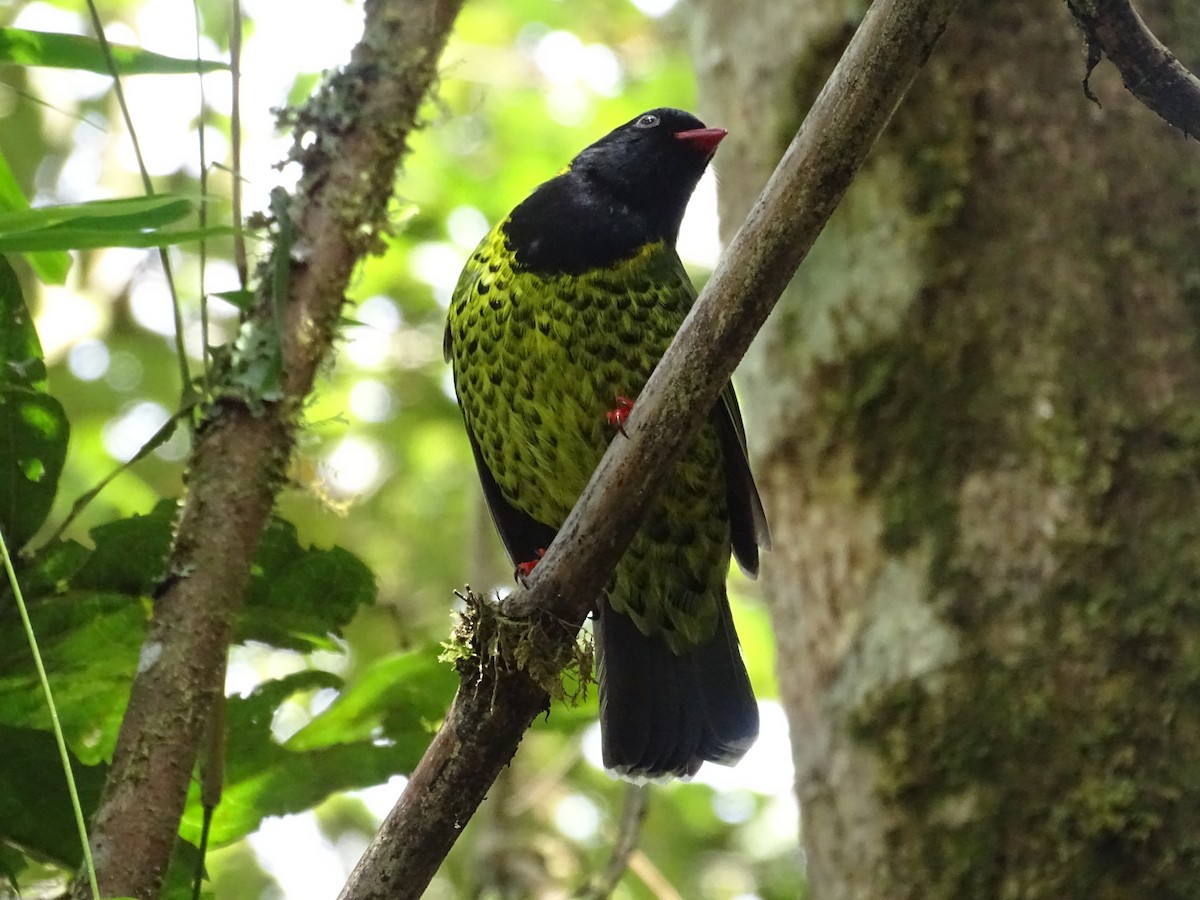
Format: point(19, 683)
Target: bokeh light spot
point(125, 435)
point(371, 401)
point(88, 360)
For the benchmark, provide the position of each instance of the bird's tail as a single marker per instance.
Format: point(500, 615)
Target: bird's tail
point(663, 714)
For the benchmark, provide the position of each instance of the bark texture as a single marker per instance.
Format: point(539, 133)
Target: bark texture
point(976, 417)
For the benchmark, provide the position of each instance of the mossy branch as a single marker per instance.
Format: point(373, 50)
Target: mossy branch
point(487, 719)
point(1148, 68)
point(353, 135)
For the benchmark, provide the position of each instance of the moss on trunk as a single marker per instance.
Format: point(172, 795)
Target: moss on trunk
point(979, 411)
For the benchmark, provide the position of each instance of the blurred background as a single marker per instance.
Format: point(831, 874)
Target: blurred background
point(383, 468)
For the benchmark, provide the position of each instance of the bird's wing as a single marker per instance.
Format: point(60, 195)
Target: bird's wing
point(522, 535)
point(747, 520)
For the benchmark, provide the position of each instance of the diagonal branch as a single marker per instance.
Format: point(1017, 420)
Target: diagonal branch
point(492, 710)
point(352, 134)
point(1150, 70)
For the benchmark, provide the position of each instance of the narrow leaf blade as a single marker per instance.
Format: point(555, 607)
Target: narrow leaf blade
point(73, 51)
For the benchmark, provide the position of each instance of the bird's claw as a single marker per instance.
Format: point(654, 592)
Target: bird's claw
point(524, 569)
point(619, 414)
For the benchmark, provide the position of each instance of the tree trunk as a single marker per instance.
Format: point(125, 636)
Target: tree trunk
point(976, 423)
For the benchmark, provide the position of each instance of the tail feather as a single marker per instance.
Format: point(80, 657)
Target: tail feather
point(663, 714)
point(729, 704)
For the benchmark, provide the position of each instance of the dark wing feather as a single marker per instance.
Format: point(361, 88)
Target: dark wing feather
point(747, 520)
point(523, 535)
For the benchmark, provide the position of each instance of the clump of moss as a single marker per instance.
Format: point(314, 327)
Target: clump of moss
point(485, 642)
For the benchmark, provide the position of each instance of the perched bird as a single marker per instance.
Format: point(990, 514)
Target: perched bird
point(556, 322)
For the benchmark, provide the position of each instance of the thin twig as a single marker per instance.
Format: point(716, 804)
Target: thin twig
point(492, 711)
point(235, 140)
point(156, 440)
point(652, 877)
point(1149, 69)
point(629, 830)
point(201, 121)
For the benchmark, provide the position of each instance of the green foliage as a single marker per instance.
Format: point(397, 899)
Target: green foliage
point(401, 696)
point(21, 351)
point(33, 426)
point(266, 776)
point(33, 434)
point(299, 595)
point(89, 643)
point(35, 809)
point(129, 553)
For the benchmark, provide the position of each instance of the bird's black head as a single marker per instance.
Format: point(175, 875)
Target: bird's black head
point(625, 191)
point(651, 163)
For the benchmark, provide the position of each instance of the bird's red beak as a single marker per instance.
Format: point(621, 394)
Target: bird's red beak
point(704, 138)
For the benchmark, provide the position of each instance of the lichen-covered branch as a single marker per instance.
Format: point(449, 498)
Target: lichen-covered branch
point(354, 133)
point(1150, 70)
point(482, 730)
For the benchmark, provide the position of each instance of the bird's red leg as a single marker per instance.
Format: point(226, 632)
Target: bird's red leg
point(524, 568)
point(619, 413)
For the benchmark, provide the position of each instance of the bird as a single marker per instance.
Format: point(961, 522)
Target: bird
point(554, 326)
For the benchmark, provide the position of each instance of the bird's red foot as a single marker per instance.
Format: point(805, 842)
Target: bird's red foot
point(619, 413)
point(524, 569)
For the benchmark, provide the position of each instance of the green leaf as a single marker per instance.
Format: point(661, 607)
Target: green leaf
point(33, 445)
point(185, 859)
point(130, 553)
point(73, 51)
point(299, 596)
point(78, 238)
point(35, 807)
point(49, 267)
point(243, 300)
point(116, 214)
point(50, 570)
point(21, 364)
point(12, 864)
point(401, 697)
point(90, 644)
point(124, 222)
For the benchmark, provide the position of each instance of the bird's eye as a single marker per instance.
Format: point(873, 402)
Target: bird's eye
point(647, 121)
